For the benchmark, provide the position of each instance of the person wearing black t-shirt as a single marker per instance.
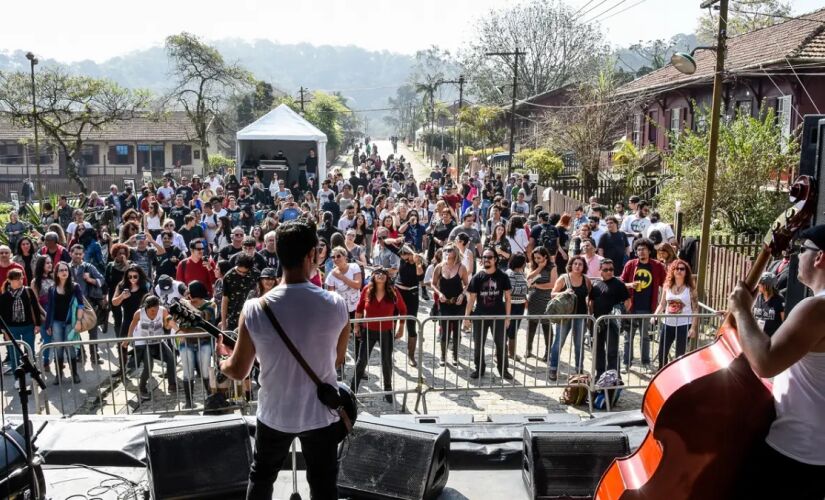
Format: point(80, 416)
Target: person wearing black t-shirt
point(410, 273)
point(613, 244)
point(268, 252)
point(190, 230)
point(178, 212)
point(489, 291)
point(235, 246)
point(644, 276)
point(769, 308)
point(606, 294)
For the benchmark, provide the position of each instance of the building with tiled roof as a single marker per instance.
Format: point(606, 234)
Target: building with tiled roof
point(779, 67)
point(126, 148)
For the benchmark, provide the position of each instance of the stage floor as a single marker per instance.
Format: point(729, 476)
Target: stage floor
point(63, 482)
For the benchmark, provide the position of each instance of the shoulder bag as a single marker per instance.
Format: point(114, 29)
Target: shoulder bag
point(564, 303)
point(339, 399)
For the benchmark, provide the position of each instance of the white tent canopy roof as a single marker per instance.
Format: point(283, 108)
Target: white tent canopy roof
point(281, 124)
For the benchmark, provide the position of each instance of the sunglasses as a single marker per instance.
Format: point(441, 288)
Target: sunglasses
point(199, 249)
point(377, 274)
point(804, 248)
point(607, 269)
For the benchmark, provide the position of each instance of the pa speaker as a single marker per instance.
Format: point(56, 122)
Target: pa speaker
point(383, 458)
point(207, 459)
point(565, 462)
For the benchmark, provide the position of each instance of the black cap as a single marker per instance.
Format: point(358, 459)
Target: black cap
point(197, 290)
point(816, 235)
point(165, 283)
point(268, 272)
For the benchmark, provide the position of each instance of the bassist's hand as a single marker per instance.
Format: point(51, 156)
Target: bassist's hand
point(222, 349)
point(741, 299)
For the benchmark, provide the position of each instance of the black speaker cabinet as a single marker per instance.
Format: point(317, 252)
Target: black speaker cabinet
point(207, 459)
point(567, 462)
point(392, 459)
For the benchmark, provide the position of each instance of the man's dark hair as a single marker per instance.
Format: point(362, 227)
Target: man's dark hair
point(195, 242)
point(516, 261)
point(249, 241)
point(77, 246)
point(655, 216)
point(224, 266)
point(188, 218)
point(244, 260)
point(294, 240)
point(644, 242)
point(642, 204)
point(609, 262)
point(579, 209)
point(166, 234)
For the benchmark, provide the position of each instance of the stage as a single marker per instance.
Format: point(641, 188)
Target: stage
point(485, 458)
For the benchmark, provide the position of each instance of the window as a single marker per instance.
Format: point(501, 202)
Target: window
point(121, 154)
point(11, 153)
point(675, 121)
point(151, 157)
point(90, 154)
point(637, 129)
point(783, 118)
point(181, 153)
point(652, 127)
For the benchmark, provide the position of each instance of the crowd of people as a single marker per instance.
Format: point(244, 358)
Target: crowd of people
point(471, 243)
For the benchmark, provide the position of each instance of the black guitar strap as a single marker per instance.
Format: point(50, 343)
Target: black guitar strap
point(300, 359)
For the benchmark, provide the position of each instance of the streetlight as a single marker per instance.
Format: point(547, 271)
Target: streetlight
point(33, 61)
point(685, 63)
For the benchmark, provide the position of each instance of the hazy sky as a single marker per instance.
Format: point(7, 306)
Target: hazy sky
point(100, 29)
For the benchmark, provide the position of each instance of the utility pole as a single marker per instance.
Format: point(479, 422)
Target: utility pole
point(33, 61)
point(718, 82)
point(516, 54)
point(302, 90)
point(460, 83)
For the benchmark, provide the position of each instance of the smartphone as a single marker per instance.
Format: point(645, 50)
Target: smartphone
point(141, 237)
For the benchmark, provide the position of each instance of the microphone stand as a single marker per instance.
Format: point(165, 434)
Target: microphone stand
point(24, 366)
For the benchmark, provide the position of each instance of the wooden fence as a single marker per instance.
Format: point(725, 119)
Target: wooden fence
point(726, 268)
point(608, 191)
point(556, 202)
point(747, 244)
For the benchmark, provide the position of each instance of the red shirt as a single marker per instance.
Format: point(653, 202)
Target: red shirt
point(4, 272)
point(189, 271)
point(380, 309)
point(453, 200)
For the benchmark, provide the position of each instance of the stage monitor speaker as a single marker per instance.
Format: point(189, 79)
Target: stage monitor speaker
point(565, 462)
point(203, 459)
point(393, 459)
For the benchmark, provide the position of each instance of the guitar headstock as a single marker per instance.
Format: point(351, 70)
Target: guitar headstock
point(184, 311)
point(794, 219)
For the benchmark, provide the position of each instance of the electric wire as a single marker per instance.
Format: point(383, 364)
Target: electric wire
point(597, 16)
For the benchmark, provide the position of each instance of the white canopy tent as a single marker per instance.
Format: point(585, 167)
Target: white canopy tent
point(282, 129)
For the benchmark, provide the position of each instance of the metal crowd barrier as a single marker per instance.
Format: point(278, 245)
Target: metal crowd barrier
point(636, 347)
point(463, 359)
point(11, 402)
point(112, 387)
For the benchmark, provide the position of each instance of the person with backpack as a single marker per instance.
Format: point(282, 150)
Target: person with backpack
point(607, 294)
point(545, 234)
point(576, 280)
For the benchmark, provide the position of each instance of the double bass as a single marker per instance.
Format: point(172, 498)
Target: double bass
point(707, 411)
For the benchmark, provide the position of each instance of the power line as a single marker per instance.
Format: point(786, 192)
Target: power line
point(605, 11)
point(582, 7)
point(591, 9)
point(623, 10)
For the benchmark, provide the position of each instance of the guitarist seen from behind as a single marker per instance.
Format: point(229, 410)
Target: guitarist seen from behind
point(791, 460)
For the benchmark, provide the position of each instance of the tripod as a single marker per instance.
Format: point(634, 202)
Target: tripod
point(24, 366)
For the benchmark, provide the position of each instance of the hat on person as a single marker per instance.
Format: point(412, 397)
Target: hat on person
point(197, 290)
point(816, 235)
point(165, 283)
point(768, 279)
point(268, 272)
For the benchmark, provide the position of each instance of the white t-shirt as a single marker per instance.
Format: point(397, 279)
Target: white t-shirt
point(632, 223)
point(72, 227)
point(287, 398)
point(350, 295)
point(663, 228)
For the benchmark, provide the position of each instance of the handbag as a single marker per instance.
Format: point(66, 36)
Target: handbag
point(88, 320)
point(36, 308)
point(339, 399)
point(564, 303)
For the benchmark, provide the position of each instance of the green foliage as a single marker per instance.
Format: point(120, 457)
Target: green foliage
point(542, 161)
point(752, 156)
point(628, 160)
point(217, 161)
point(327, 112)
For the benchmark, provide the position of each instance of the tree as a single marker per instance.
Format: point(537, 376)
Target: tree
point(750, 161)
point(427, 90)
point(543, 161)
point(327, 112)
point(204, 81)
point(482, 126)
point(591, 124)
point(654, 53)
point(559, 47)
point(744, 16)
point(69, 107)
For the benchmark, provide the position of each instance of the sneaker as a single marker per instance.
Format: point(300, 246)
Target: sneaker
point(507, 375)
point(553, 375)
point(16, 385)
point(474, 374)
point(144, 394)
point(441, 362)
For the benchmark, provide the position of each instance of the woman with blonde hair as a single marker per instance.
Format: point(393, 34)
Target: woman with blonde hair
point(665, 253)
point(450, 280)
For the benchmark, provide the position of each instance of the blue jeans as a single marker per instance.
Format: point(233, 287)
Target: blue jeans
point(643, 325)
point(558, 343)
point(24, 333)
point(193, 356)
point(59, 331)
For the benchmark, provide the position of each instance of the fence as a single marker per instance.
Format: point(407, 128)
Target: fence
point(442, 367)
point(726, 267)
point(747, 244)
point(556, 202)
point(608, 191)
